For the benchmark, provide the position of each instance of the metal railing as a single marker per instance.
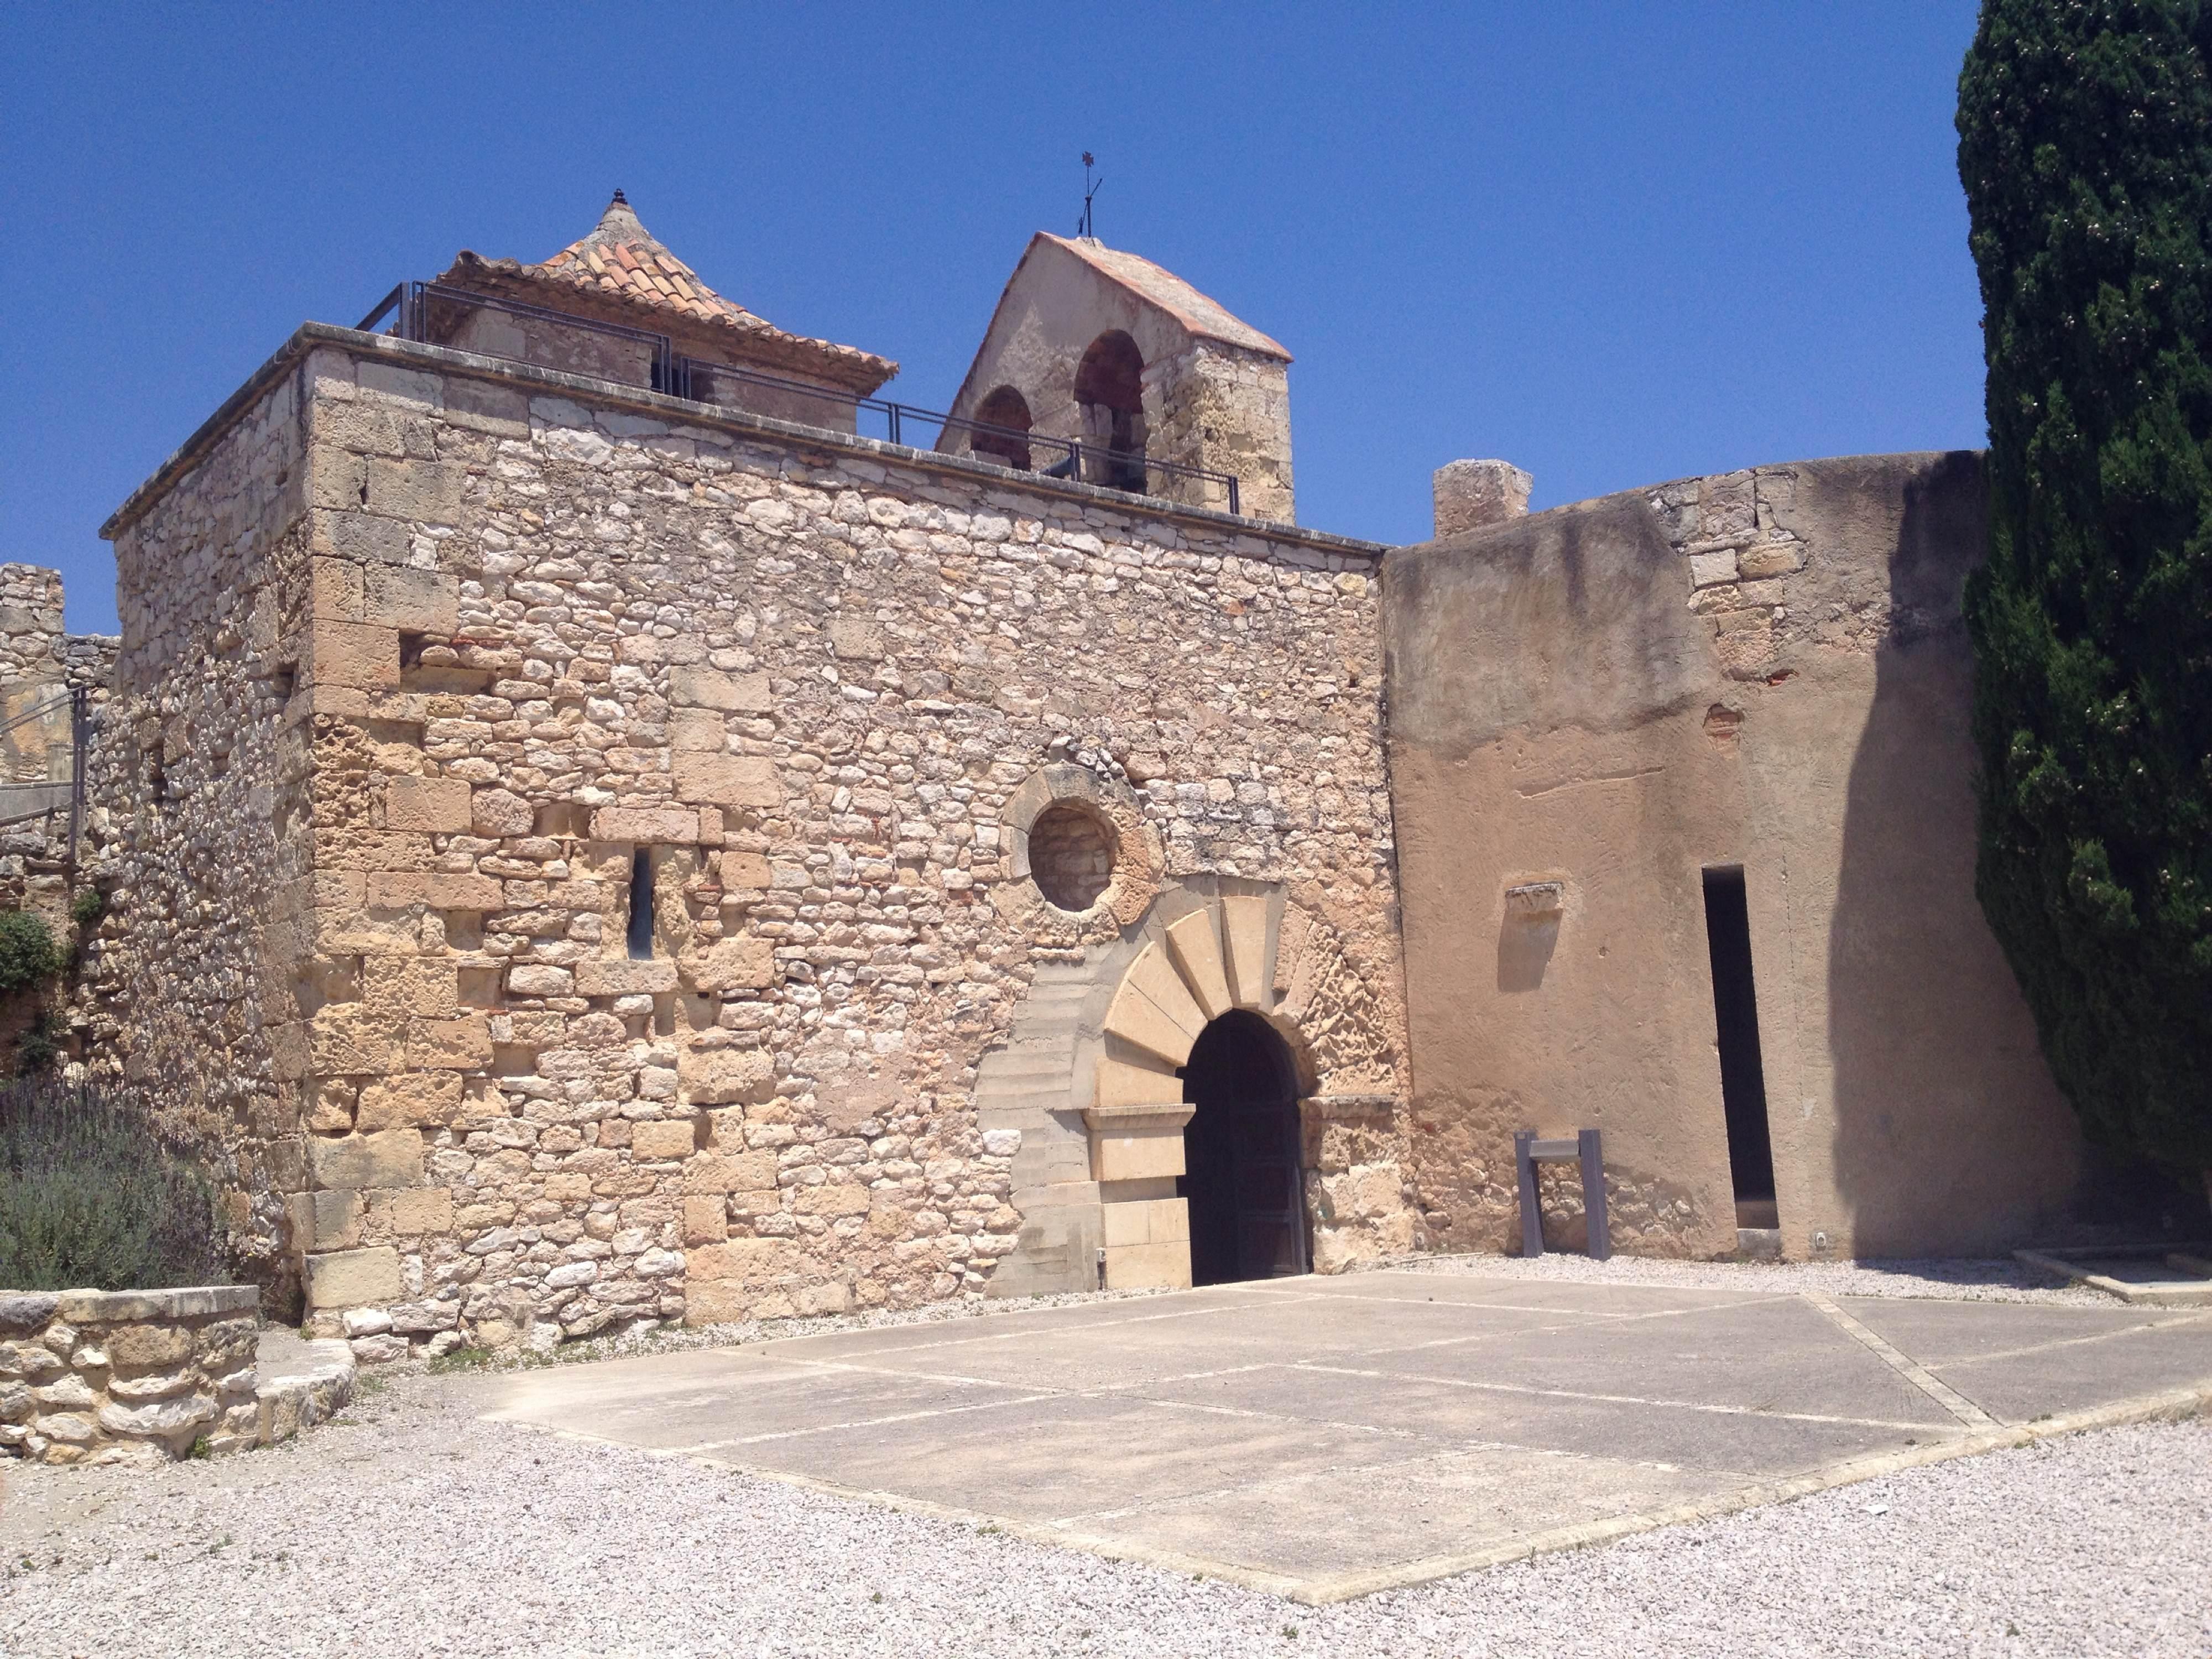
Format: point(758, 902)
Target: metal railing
point(409, 304)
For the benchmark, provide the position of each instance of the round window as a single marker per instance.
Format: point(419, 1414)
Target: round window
point(1071, 855)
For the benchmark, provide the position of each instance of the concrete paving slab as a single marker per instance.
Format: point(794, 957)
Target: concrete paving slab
point(1325, 1438)
point(1586, 1299)
point(1048, 1460)
point(2058, 1378)
point(757, 1401)
point(1939, 1333)
point(1133, 1353)
point(1445, 1504)
point(1780, 1356)
point(1745, 1442)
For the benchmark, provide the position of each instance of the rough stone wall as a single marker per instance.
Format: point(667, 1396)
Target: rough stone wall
point(1761, 671)
point(110, 1377)
point(1226, 410)
point(197, 828)
point(804, 680)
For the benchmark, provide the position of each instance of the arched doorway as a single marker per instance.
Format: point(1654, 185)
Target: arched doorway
point(1241, 1178)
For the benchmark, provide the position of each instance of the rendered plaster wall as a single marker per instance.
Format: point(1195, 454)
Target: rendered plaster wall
point(1764, 669)
point(198, 830)
point(806, 679)
point(1206, 404)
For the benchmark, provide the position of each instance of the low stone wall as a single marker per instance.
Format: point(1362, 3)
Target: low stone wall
point(119, 1376)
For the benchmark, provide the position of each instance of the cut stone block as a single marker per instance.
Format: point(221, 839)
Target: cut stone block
point(1196, 944)
point(731, 964)
point(707, 687)
point(725, 1077)
point(726, 780)
point(389, 1158)
point(353, 1278)
point(662, 1138)
point(650, 826)
point(1148, 1267)
point(410, 1100)
point(354, 654)
point(1244, 926)
point(619, 977)
point(1120, 1083)
point(328, 1220)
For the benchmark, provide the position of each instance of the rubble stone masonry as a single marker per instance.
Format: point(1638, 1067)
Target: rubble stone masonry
point(436, 665)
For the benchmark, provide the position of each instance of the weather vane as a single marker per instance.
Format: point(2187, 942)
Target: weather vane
point(1083, 226)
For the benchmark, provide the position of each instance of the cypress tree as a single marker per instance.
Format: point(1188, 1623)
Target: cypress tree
point(2085, 132)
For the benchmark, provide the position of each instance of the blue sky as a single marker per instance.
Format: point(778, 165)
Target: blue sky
point(1614, 243)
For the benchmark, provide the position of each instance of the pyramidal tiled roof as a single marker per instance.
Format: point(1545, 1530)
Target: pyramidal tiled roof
point(620, 260)
point(621, 256)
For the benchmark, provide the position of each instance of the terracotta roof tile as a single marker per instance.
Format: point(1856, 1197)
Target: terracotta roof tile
point(620, 259)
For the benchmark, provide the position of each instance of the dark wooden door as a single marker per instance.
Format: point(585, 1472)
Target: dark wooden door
point(1241, 1178)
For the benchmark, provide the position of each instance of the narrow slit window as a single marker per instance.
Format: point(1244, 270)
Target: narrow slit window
point(640, 905)
point(1735, 1018)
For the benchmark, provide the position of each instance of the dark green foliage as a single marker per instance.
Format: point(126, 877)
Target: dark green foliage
point(92, 1197)
point(40, 1044)
point(2086, 149)
point(89, 905)
point(27, 951)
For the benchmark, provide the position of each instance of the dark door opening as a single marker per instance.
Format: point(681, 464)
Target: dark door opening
point(1743, 1078)
point(1246, 1196)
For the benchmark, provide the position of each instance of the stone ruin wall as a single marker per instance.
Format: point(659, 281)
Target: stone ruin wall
point(534, 633)
point(197, 832)
point(39, 665)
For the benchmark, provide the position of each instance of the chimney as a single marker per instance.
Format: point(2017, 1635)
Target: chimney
point(1472, 494)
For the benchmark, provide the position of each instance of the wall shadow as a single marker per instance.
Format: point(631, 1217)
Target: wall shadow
point(1949, 1133)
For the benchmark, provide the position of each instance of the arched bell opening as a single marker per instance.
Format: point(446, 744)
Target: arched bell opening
point(1004, 418)
point(1109, 397)
point(1240, 1177)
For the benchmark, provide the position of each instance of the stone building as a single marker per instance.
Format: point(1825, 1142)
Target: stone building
point(590, 837)
point(588, 855)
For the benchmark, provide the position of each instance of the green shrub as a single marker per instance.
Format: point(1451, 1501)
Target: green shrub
point(40, 1044)
point(88, 908)
point(2085, 145)
point(27, 951)
point(93, 1196)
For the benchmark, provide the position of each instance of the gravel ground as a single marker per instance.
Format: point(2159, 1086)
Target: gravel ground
point(411, 1528)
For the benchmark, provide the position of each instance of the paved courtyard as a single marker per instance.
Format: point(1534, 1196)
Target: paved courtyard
point(1324, 1439)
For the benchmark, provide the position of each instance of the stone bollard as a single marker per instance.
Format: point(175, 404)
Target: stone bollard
point(1472, 494)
